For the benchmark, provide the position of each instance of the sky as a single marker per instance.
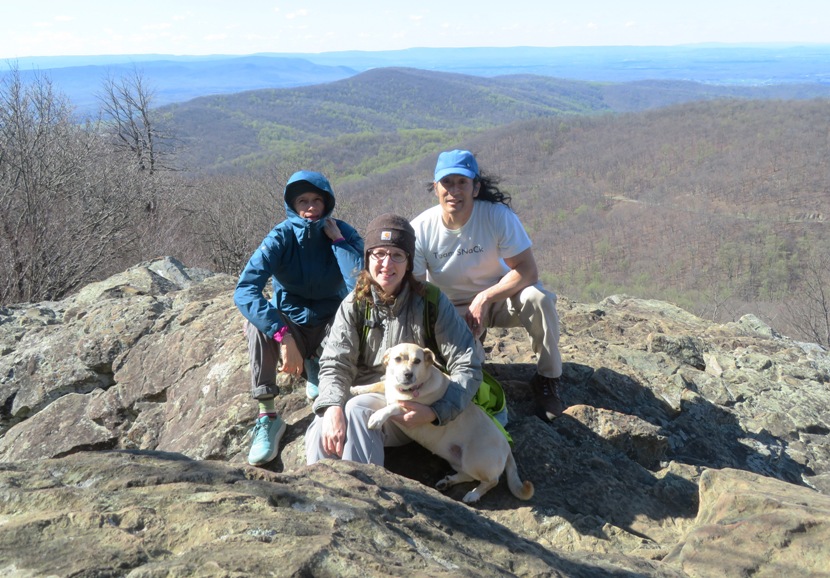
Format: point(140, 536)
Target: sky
point(199, 27)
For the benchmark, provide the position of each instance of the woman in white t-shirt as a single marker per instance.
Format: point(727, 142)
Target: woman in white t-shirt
point(473, 246)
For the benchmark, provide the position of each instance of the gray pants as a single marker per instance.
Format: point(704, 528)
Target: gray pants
point(362, 444)
point(264, 356)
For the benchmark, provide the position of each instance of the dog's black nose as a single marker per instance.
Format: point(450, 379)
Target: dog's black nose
point(408, 375)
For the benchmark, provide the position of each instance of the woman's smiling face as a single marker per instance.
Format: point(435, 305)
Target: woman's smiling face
point(387, 266)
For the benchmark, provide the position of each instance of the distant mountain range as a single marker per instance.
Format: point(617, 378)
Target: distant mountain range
point(181, 78)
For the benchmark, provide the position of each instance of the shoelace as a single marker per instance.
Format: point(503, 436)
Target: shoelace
point(260, 429)
point(548, 390)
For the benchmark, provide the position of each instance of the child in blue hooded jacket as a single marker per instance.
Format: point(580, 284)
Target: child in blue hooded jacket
point(312, 261)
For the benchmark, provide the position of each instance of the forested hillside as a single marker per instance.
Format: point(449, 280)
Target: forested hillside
point(717, 203)
point(380, 118)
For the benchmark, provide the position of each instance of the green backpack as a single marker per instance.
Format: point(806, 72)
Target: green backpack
point(490, 395)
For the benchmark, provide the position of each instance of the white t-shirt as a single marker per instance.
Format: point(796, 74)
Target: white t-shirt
point(466, 261)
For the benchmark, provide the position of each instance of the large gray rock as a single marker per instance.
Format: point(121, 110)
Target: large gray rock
point(675, 424)
point(748, 525)
point(161, 514)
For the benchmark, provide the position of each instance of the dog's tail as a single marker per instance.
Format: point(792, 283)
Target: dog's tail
point(522, 490)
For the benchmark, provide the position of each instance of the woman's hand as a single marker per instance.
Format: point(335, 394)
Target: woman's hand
point(291, 360)
point(416, 414)
point(334, 430)
point(331, 229)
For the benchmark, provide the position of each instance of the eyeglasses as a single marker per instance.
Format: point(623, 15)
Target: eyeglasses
point(379, 255)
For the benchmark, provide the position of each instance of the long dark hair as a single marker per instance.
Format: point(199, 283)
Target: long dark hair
point(490, 192)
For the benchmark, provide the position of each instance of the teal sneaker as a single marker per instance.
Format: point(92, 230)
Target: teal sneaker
point(311, 391)
point(266, 440)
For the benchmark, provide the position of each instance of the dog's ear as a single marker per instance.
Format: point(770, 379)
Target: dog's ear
point(385, 359)
point(429, 356)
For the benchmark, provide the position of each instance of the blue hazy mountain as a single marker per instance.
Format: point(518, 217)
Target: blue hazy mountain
point(181, 78)
point(177, 79)
point(709, 63)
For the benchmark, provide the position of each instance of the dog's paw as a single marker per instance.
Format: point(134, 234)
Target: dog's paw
point(374, 422)
point(444, 484)
point(471, 497)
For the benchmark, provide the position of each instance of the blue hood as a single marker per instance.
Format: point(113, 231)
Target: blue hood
point(301, 182)
point(309, 272)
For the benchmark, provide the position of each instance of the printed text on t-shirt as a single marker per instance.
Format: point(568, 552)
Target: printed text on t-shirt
point(460, 251)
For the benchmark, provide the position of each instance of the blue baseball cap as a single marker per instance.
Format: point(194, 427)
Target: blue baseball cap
point(456, 163)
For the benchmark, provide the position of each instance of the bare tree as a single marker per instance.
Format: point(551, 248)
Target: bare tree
point(129, 119)
point(808, 312)
point(68, 205)
point(136, 131)
point(235, 213)
point(38, 161)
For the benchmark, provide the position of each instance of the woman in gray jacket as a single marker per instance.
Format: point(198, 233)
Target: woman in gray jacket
point(385, 308)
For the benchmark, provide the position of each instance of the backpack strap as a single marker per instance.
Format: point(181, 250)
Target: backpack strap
point(366, 323)
point(432, 295)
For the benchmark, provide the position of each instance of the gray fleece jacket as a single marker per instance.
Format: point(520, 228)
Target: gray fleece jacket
point(343, 364)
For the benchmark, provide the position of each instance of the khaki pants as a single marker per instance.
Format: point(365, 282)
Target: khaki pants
point(533, 308)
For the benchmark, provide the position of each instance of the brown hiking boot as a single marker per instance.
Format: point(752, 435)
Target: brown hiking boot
point(546, 394)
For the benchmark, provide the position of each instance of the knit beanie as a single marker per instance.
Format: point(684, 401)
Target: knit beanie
point(390, 230)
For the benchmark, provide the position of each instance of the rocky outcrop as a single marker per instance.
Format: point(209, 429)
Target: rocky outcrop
point(688, 449)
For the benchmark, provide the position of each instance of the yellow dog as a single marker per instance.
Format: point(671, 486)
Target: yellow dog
point(471, 443)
